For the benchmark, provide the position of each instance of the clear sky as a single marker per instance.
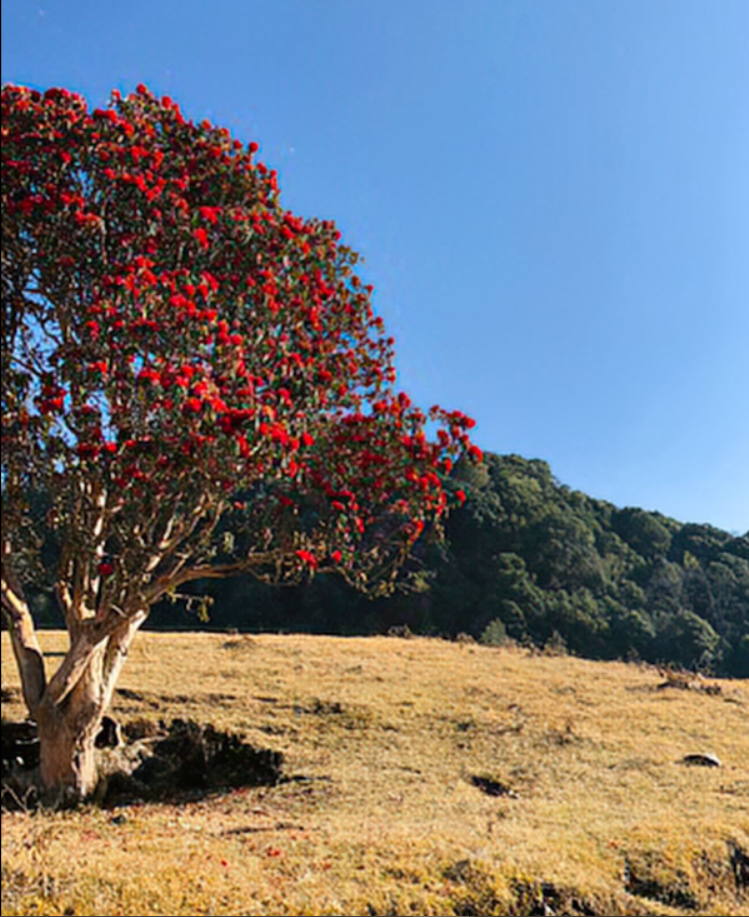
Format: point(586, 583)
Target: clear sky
point(552, 198)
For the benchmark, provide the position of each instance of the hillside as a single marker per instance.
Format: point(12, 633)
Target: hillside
point(423, 777)
point(541, 561)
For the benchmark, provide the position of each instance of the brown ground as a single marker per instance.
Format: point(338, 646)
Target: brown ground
point(430, 778)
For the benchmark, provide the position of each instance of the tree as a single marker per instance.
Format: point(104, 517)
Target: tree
point(687, 639)
point(643, 531)
point(195, 384)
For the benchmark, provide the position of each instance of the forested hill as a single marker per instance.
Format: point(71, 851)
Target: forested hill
point(612, 582)
point(529, 557)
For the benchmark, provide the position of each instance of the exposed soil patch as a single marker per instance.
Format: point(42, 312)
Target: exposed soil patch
point(159, 762)
point(189, 757)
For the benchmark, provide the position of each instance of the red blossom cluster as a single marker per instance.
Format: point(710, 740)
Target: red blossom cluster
point(181, 340)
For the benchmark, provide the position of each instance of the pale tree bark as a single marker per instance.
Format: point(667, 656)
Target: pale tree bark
point(26, 649)
point(67, 734)
point(71, 710)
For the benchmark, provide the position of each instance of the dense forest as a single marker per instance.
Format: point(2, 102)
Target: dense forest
point(529, 559)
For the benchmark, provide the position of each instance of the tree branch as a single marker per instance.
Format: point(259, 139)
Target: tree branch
point(23, 638)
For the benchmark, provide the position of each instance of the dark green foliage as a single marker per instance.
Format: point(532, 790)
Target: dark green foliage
point(644, 532)
point(687, 639)
point(530, 556)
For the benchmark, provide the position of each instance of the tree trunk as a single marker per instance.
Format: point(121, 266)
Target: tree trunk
point(67, 733)
point(68, 726)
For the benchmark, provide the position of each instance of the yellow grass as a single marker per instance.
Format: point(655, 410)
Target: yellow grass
point(387, 733)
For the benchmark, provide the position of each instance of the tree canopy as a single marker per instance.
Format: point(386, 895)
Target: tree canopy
point(195, 381)
point(180, 349)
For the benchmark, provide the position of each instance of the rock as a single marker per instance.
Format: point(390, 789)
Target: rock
point(701, 760)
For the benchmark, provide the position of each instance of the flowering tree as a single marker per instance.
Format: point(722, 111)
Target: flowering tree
point(194, 384)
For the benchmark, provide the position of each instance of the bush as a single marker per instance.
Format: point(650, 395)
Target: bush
point(494, 634)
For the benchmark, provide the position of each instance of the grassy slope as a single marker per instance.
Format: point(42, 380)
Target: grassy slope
point(390, 731)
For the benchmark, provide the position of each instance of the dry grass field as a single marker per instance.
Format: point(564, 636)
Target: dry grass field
point(384, 738)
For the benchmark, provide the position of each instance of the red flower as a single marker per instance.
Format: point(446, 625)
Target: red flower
point(307, 557)
point(202, 237)
point(149, 375)
point(461, 495)
point(336, 557)
point(210, 214)
point(192, 406)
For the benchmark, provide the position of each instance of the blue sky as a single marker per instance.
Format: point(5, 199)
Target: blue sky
point(552, 198)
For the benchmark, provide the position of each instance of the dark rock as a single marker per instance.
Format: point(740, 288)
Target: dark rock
point(701, 760)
